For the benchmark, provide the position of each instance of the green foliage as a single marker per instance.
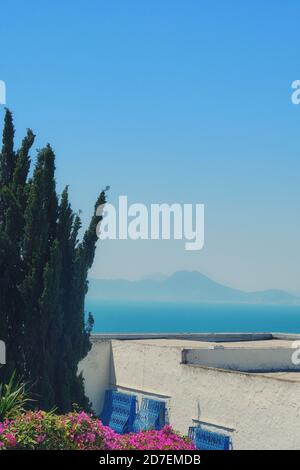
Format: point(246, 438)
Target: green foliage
point(43, 276)
point(13, 398)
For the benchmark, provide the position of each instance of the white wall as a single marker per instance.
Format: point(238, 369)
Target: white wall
point(96, 369)
point(263, 412)
point(253, 359)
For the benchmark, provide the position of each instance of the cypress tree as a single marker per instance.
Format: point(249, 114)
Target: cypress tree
point(43, 277)
point(14, 169)
point(8, 160)
point(75, 342)
point(39, 236)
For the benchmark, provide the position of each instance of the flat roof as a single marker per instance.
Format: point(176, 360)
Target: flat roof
point(210, 340)
point(198, 337)
point(192, 344)
point(281, 342)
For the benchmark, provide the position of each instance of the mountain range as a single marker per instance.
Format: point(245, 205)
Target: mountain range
point(183, 286)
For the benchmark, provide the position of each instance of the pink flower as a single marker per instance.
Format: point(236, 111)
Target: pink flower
point(83, 431)
point(12, 442)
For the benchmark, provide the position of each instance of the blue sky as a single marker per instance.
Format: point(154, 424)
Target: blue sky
point(169, 101)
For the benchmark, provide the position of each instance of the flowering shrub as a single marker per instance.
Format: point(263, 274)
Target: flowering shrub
point(41, 430)
point(155, 440)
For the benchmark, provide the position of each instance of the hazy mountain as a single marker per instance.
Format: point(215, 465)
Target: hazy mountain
point(183, 286)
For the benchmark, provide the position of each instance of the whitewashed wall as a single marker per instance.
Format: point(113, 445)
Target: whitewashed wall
point(258, 412)
point(96, 369)
point(248, 360)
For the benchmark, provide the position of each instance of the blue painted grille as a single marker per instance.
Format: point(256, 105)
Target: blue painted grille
point(207, 440)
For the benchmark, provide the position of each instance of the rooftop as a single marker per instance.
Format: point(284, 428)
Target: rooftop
point(268, 353)
point(193, 344)
point(205, 340)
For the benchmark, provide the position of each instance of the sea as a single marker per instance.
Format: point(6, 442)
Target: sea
point(162, 317)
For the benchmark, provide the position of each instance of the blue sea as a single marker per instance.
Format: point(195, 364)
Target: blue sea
point(156, 317)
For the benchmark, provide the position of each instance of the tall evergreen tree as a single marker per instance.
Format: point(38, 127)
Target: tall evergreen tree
point(14, 169)
point(8, 160)
point(75, 342)
point(39, 236)
point(43, 275)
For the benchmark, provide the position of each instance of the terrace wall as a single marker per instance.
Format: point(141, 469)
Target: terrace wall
point(239, 359)
point(257, 411)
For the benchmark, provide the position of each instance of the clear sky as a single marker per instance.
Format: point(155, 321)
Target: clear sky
point(169, 101)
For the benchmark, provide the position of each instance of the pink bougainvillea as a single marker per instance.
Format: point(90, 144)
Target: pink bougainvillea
point(155, 440)
point(81, 431)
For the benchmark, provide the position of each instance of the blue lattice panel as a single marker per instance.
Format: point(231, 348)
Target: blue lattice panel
point(150, 416)
point(208, 440)
point(119, 411)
